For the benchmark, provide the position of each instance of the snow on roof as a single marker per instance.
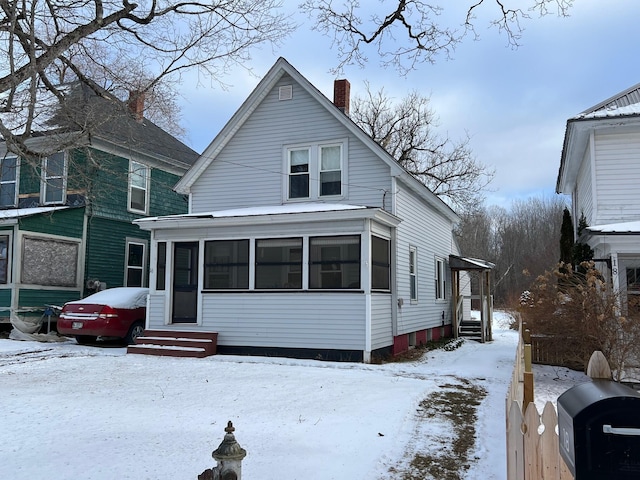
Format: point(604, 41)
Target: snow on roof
point(626, 110)
point(624, 227)
point(268, 210)
point(25, 212)
point(118, 297)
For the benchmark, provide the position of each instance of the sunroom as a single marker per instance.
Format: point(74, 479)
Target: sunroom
point(302, 277)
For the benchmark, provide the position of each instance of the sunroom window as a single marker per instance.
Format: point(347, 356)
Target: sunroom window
point(380, 264)
point(334, 262)
point(279, 263)
point(226, 264)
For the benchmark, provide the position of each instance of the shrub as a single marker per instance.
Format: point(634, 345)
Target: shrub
point(576, 312)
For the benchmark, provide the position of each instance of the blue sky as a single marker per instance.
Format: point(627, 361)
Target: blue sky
point(513, 103)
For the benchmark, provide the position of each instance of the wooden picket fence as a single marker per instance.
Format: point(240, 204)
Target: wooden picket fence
point(532, 438)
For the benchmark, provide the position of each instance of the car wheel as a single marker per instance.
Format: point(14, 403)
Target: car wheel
point(134, 332)
point(85, 339)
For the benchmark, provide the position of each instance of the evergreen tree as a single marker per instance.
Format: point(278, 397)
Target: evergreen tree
point(581, 251)
point(566, 238)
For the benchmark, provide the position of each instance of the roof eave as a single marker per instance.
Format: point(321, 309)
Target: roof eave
point(174, 222)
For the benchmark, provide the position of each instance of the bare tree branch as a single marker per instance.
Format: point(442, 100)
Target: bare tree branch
point(414, 31)
point(124, 46)
point(407, 131)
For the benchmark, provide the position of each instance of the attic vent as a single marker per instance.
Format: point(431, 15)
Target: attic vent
point(285, 92)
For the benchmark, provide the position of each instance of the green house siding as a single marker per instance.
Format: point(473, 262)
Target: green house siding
point(5, 301)
point(163, 200)
point(67, 223)
point(38, 298)
point(106, 245)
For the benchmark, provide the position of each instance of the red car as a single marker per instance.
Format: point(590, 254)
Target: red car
point(113, 313)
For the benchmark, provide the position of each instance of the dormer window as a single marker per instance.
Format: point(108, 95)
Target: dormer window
point(54, 179)
point(315, 171)
point(8, 181)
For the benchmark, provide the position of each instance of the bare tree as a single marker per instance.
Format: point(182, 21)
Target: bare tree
point(522, 242)
point(41, 38)
point(413, 31)
point(407, 131)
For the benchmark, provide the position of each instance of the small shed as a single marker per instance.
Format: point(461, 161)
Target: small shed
point(467, 326)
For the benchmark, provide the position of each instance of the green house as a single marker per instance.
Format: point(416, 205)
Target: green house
point(66, 213)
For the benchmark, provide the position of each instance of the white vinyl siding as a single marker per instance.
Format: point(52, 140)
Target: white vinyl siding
point(249, 170)
point(617, 176)
point(381, 326)
point(431, 234)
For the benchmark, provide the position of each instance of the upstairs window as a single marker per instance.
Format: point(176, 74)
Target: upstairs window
point(330, 170)
point(8, 181)
point(54, 178)
point(315, 171)
point(299, 173)
point(138, 187)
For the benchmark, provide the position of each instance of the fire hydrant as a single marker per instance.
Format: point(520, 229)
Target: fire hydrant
point(229, 455)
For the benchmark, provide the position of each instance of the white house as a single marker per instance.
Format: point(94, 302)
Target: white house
point(304, 237)
point(600, 169)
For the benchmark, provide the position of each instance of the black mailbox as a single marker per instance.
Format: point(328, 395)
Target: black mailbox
point(599, 430)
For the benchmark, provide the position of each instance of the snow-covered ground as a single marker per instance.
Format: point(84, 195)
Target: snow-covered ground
point(75, 412)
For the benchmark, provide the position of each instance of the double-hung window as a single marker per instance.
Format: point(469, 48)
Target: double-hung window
point(440, 279)
point(54, 178)
point(413, 274)
point(8, 181)
point(334, 262)
point(330, 170)
point(135, 264)
point(278, 263)
point(315, 171)
point(226, 264)
point(138, 187)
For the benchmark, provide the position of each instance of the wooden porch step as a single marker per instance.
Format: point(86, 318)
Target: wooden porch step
point(472, 329)
point(175, 343)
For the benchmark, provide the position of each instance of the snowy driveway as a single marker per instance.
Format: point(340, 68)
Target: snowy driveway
point(71, 412)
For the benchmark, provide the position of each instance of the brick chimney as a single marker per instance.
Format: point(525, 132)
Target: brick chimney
point(341, 93)
point(136, 105)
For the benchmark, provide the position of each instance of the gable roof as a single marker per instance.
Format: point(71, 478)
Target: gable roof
point(280, 68)
point(622, 108)
point(105, 122)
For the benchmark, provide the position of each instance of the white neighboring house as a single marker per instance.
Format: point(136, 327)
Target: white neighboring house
point(600, 169)
point(304, 237)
